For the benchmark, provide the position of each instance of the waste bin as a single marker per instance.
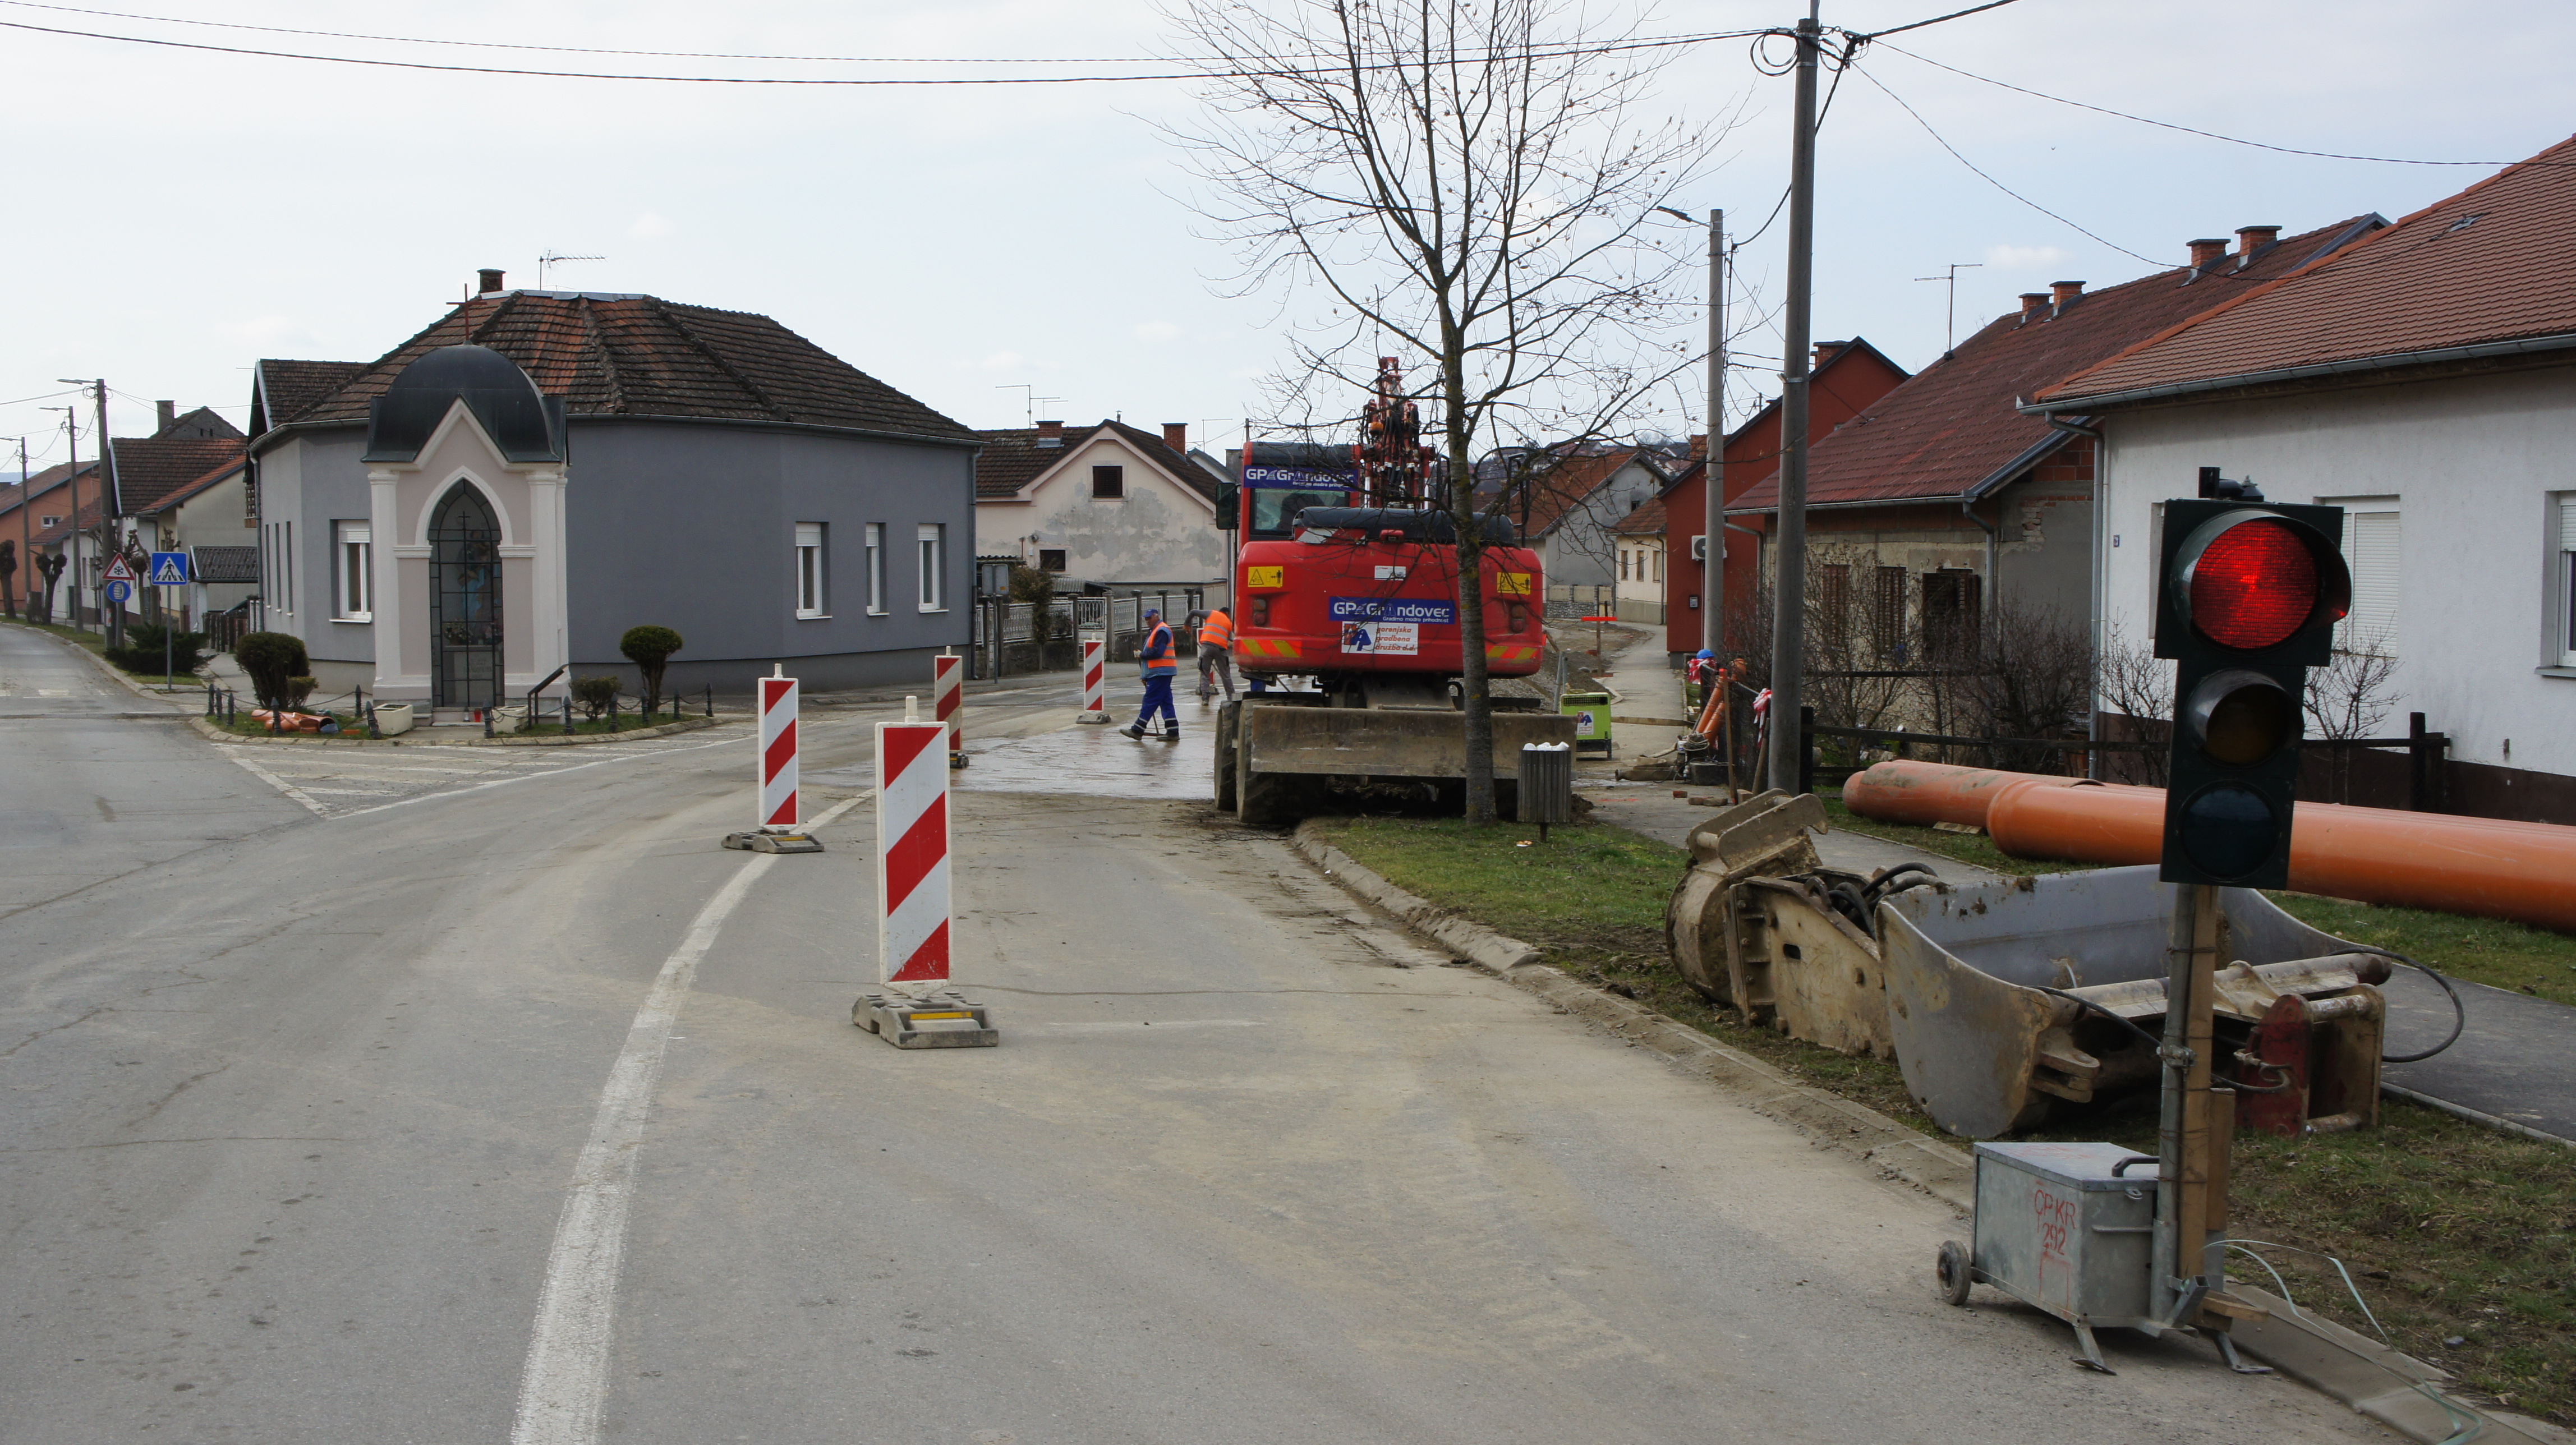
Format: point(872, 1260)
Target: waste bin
point(1591, 714)
point(1546, 791)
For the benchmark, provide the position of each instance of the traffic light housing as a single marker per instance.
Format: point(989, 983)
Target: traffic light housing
point(2247, 597)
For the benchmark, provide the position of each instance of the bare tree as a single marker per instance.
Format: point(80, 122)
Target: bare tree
point(2351, 696)
point(1468, 180)
point(2136, 691)
point(2031, 677)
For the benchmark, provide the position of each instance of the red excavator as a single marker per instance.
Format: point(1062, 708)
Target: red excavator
point(1346, 593)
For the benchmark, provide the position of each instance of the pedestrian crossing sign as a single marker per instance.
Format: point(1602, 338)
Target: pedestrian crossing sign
point(117, 571)
point(169, 569)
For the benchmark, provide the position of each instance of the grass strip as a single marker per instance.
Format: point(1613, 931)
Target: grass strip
point(2455, 1233)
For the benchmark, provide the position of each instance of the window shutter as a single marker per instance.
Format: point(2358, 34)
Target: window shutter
point(2567, 524)
point(2371, 550)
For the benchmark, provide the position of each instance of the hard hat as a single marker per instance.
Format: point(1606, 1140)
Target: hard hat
point(1704, 652)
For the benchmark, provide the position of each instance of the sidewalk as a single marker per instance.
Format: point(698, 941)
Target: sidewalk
point(1652, 810)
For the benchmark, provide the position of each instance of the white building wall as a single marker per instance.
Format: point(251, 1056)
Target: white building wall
point(1160, 531)
point(2472, 467)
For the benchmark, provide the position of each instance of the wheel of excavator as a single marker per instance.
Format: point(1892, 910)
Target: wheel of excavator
point(1953, 1270)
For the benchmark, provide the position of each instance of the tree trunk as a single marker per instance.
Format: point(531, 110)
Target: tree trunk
point(1474, 682)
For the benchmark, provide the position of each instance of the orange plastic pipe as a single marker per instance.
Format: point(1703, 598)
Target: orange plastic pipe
point(2489, 867)
point(1927, 793)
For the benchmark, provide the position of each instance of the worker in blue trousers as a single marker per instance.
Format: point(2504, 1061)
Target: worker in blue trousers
point(1159, 659)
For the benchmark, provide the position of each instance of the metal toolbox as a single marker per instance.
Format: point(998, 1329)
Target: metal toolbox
point(2062, 1228)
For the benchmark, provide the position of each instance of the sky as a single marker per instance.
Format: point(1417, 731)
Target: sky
point(1003, 252)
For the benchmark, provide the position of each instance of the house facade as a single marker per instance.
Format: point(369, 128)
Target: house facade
point(1846, 377)
point(2423, 378)
point(489, 506)
point(1110, 506)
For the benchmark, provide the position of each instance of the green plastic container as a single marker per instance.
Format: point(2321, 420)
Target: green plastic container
point(1591, 712)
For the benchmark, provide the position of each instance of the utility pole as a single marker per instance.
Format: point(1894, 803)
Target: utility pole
point(1789, 571)
point(71, 433)
point(1712, 602)
point(26, 535)
point(1950, 318)
point(110, 501)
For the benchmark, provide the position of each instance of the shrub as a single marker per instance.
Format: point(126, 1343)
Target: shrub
point(271, 658)
point(142, 650)
point(595, 694)
point(300, 688)
point(649, 647)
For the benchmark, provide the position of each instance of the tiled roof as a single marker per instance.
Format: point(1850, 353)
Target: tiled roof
point(44, 484)
point(213, 476)
point(225, 564)
point(1011, 458)
point(148, 469)
point(1566, 484)
point(288, 389)
point(1952, 426)
point(2495, 263)
point(53, 536)
point(641, 356)
point(1646, 521)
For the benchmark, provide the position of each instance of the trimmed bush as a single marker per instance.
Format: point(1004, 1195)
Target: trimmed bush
point(595, 694)
point(271, 658)
point(142, 650)
point(649, 647)
point(300, 688)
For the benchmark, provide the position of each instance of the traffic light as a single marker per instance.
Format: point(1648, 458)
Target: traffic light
point(2248, 593)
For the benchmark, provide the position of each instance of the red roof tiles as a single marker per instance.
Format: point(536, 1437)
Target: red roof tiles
point(1952, 427)
point(1011, 458)
point(2494, 264)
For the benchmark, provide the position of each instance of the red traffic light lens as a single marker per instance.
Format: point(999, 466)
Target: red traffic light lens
point(2253, 586)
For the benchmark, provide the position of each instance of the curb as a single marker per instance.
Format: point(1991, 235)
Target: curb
point(2394, 1389)
point(1897, 1152)
point(684, 725)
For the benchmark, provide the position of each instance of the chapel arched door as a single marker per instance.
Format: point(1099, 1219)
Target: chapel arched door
point(465, 601)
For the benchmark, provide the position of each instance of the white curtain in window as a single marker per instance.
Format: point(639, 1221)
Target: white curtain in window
point(933, 539)
point(2370, 550)
point(809, 569)
point(352, 571)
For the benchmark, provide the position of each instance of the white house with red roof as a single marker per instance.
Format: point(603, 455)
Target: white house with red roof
point(1110, 505)
point(2422, 377)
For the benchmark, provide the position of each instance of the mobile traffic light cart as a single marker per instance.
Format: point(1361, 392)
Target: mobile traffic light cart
point(2247, 597)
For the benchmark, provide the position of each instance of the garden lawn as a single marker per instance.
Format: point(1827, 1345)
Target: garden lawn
point(2454, 1232)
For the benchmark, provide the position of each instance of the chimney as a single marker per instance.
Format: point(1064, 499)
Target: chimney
point(1050, 433)
point(2031, 301)
point(1176, 435)
point(491, 282)
point(1699, 446)
point(2206, 251)
point(168, 411)
point(1825, 352)
point(2250, 239)
point(2061, 294)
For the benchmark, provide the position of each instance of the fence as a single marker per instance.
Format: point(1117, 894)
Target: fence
point(1018, 637)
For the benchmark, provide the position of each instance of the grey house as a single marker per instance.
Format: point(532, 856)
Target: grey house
point(507, 492)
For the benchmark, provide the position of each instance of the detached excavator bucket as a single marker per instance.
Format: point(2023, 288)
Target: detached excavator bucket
point(1986, 1051)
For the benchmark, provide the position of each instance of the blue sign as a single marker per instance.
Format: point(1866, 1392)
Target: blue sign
point(1395, 609)
point(169, 569)
point(117, 592)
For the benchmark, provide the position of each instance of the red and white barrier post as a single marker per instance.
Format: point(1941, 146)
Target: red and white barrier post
point(774, 773)
point(913, 1008)
point(948, 691)
point(1095, 681)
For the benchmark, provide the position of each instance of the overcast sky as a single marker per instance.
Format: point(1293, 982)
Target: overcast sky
point(179, 214)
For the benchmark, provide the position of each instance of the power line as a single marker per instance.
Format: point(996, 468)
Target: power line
point(1935, 20)
point(1990, 180)
point(1324, 64)
point(2185, 129)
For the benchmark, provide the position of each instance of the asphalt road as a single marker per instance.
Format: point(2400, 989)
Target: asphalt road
point(300, 1115)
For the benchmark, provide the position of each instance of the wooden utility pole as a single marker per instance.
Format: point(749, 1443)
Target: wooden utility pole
point(111, 538)
point(1789, 569)
point(1712, 602)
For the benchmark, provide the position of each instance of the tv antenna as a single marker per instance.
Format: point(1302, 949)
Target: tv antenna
point(553, 258)
point(1950, 321)
point(1029, 398)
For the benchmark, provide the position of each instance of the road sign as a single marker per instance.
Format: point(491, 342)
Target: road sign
point(117, 571)
point(169, 569)
point(118, 590)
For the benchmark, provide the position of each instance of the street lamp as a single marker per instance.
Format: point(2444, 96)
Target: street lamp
point(1712, 612)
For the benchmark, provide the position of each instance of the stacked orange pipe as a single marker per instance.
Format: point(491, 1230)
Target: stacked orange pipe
point(2495, 868)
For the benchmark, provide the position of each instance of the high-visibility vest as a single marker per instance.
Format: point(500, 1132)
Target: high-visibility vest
point(1162, 659)
point(1217, 631)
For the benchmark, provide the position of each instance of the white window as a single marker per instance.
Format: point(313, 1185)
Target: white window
point(2370, 549)
point(876, 569)
point(352, 571)
point(2564, 564)
point(809, 569)
point(933, 539)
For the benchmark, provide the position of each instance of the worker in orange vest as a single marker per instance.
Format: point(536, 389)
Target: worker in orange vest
point(1158, 659)
point(1216, 654)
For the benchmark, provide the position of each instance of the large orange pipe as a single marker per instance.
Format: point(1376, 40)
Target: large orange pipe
point(1927, 793)
point(2489, 867)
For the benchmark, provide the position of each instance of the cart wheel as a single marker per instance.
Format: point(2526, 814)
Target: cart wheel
point(1951, 1268)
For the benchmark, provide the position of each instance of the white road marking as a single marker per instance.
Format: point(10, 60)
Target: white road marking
point(564, 1384)
point(274, 781)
